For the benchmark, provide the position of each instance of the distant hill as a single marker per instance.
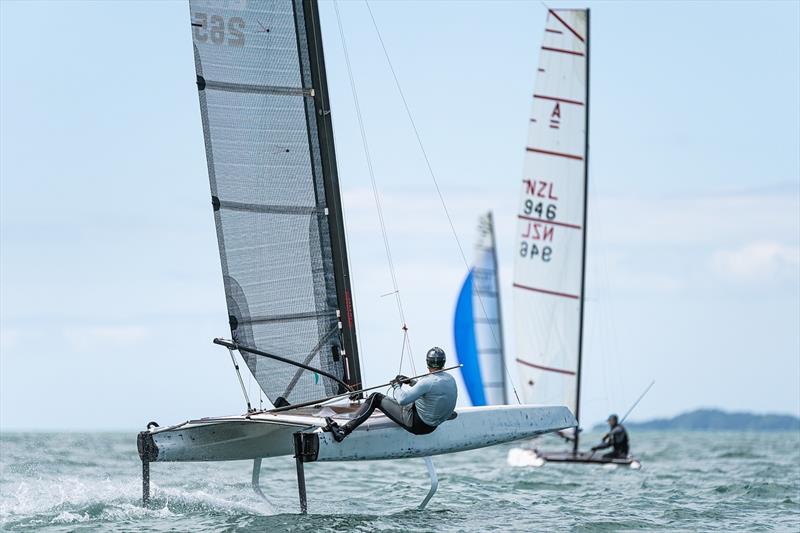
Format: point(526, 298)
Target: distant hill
point(717, 420)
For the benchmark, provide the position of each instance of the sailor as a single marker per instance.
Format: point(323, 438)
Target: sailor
point(418, 406)
point(616, 437)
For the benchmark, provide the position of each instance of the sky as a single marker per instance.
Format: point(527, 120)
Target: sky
point(110, 282)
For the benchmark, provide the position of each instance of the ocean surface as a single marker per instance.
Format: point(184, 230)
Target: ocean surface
point(689, 481)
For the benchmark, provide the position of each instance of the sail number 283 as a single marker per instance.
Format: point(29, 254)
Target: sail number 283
point(535, 252)
point(217, 29)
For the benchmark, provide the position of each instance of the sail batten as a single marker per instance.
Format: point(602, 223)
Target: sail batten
point(275, 196)
point(551, 218)
point(259, 89)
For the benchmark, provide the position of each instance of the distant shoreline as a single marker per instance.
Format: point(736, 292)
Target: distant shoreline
point(696, 420)
point(717, 420)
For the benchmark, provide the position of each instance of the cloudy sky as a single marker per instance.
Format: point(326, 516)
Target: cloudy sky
point(110, 285)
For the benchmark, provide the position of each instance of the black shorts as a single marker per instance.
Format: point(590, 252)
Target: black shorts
point(419, 427)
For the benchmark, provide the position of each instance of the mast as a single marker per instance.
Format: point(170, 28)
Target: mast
point(583, 260)
point(330, 178)
point(499, 308)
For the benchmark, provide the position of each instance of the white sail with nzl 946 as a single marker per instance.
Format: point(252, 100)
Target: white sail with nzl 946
point(551, 218)
point(550, 241)
point(269, 144)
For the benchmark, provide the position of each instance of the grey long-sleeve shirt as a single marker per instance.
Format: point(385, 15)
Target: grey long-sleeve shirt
point(433, 395)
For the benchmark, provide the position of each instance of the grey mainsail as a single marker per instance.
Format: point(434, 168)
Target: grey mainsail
point(275, 194)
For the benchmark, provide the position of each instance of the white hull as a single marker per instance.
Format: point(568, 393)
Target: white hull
point(270, 435)
point(475, 427)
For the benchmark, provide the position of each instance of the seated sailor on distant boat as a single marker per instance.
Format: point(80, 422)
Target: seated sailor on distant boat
point(418, 408)
point(617, 438)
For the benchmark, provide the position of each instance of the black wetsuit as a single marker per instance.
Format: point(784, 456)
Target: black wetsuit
point(618, 438)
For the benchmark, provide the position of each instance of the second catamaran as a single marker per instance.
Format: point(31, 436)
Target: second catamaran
point(550, 242)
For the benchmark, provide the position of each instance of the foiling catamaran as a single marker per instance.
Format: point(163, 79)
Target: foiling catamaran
point(275, 196)
point(550, 243)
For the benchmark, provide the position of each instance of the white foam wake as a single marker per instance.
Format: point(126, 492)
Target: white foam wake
point(524, 457)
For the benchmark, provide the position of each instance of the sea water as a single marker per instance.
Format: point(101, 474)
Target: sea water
point(689, 481)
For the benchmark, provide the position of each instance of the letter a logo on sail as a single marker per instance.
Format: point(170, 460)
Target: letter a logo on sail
point(555, 116)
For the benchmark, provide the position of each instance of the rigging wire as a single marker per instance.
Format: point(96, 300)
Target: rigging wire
point(433, 177)
point(403, 350)
point(637, 401)
point(376, 195)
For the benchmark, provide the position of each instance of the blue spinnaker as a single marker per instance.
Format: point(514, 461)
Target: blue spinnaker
point(466, 343)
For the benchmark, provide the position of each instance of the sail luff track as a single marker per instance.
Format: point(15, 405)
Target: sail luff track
point(331, 185)
point(498, 326)
point(583, 254)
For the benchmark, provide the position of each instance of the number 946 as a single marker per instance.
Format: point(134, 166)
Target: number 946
point(544, 253)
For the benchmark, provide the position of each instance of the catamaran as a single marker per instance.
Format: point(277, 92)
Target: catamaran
point(549, 250)
point(550, 243)
point(268, 132)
